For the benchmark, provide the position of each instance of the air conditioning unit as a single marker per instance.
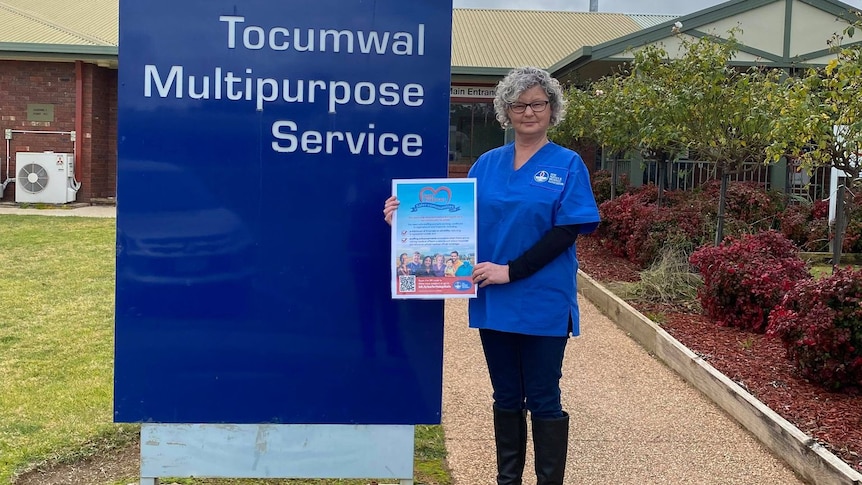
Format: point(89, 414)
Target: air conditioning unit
point(45, 177)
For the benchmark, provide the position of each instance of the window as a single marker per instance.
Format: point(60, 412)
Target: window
point(473, 130)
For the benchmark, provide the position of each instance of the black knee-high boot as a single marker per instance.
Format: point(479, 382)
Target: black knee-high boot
point(510, 434)
point(551, 443)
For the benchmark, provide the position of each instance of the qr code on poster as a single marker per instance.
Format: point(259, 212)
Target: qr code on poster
point(407, 283)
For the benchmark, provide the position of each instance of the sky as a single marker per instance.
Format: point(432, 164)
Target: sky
point(670, 7)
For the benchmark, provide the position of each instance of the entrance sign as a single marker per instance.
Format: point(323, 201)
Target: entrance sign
point(257, 142)
point(485, 93)
point(434, 239)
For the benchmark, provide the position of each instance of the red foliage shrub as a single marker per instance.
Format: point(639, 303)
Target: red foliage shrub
point(793, 222)
point(750, 203)
point(820, 324)
point(800, 224)
point(682, 225)
point(820, 231)
point(853, 231)
point(635, 227)
point(820, 209)
point(745, 278)
point(621, 215)
point(648, 194)
point(646, 217)
point(601, 182)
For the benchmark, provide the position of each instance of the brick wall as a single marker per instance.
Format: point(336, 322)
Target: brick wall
point(99, 139)
point(24, 82)
point(589, 153)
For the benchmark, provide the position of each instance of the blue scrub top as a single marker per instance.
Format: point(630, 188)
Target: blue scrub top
point(516, 208)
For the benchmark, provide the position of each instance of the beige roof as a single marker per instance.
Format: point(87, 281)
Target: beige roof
point(509, 38)
point(89, 22)
point(481, 38)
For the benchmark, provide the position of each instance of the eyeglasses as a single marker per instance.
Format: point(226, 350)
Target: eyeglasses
point(536, 106)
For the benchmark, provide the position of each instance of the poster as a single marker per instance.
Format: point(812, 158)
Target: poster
point(434, 239)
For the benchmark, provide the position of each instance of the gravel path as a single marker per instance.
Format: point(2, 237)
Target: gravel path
point(633, 420)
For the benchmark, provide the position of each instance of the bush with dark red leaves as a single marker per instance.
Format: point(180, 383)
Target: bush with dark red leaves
point(820, 324)
point(621, 215)
point(750, 203)
point(807, 225)
point(853, 231)
point(601, 182)
point(746, 277)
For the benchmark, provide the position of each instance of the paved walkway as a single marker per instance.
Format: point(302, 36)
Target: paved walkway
point(71, 211)
point(633, 420)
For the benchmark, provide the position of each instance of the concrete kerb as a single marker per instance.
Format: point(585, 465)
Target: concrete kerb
point(801, 452)
point(65, 210)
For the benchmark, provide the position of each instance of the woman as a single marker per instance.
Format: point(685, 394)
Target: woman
point(439, 268)
point(426, 269)
point(533, 199)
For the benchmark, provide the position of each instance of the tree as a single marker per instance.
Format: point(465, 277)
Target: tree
point(698, 102)
point(599, 114)
point(659, 109)
point(635, 109)
point(820, 125)
point(729, 111)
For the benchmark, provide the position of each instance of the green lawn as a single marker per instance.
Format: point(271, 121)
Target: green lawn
point(56, 350)
point(56, 336)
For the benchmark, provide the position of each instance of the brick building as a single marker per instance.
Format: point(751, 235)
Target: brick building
point(58, 75)
point(80, 97)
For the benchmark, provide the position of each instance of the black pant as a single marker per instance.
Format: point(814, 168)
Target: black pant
point(525, 371)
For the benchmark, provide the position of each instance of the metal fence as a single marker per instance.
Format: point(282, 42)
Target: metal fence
point(690, 174)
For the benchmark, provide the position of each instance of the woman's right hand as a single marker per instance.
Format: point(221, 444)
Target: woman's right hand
point(390, 206)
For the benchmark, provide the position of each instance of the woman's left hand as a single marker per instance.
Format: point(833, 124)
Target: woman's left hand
point(485, 274)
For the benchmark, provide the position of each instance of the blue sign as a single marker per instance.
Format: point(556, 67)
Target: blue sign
point(257, 142)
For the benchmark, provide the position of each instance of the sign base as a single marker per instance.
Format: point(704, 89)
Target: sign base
point(276, 451)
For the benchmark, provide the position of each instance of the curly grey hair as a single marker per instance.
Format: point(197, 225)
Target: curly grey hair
point(521, 79)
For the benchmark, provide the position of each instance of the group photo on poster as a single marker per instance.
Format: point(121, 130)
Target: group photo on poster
point(434, 239)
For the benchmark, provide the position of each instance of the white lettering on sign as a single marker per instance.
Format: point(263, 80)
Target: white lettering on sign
point(267, 90)
point(179, 82)
point(371, 143)
point(254, 37)
point(475, 92)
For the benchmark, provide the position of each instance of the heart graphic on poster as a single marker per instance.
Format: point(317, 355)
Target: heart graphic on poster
point(440, 195)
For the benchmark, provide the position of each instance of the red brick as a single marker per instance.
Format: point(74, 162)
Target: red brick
point(23, 82)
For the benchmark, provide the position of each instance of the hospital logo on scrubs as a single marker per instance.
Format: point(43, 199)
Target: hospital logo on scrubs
point(439, 198)
point(543, 176)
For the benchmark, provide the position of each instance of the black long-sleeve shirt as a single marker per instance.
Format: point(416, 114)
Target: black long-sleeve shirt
point(554, 243)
